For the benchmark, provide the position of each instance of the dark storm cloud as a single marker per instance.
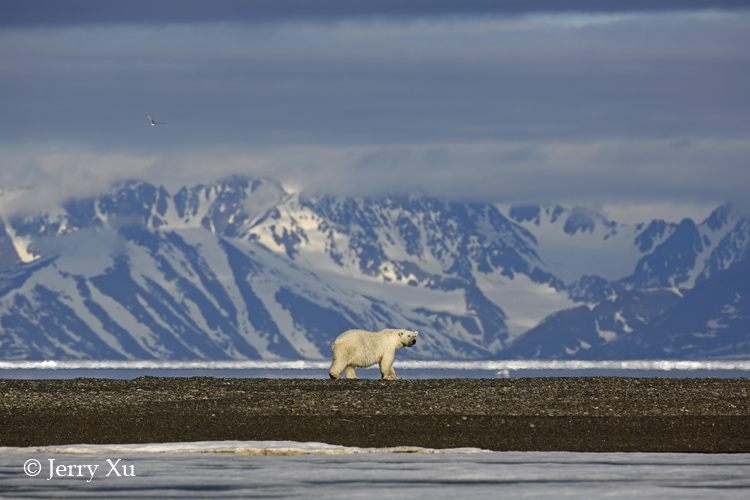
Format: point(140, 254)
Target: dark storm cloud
point(380, 84)
point(560, 106)
point(55, 12)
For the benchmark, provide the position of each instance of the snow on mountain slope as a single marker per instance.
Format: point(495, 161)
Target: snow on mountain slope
point(419, 243)
point(693, 252)
point(584, 332)
point(727, 235)
point(711, 320)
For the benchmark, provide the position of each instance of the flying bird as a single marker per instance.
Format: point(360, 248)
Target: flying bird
point(153, 123)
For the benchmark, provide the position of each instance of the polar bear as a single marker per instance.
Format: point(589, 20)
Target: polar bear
point(360, 349)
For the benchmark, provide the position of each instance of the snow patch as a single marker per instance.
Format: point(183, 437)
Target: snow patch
point(21, 244)
point(607, 335)
point(620, 319)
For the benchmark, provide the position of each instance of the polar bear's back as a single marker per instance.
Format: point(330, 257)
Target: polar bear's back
point(363, 338)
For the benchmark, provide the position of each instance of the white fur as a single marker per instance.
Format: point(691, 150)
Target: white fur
point(360, 349)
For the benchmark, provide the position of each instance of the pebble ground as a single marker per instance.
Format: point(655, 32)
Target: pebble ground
point(540, 414)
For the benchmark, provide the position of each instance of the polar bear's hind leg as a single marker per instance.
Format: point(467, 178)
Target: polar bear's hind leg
point(336, 367)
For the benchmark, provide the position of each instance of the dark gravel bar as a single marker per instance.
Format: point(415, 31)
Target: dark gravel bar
point(592, 414)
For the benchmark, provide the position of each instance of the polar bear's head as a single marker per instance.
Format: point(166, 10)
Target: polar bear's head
point(407, 338)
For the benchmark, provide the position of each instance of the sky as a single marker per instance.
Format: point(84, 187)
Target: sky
point(638, 108)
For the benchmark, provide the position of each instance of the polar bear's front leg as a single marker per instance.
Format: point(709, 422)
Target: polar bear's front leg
point(386, 367)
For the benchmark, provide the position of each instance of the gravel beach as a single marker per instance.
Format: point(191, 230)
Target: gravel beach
point(524, 414)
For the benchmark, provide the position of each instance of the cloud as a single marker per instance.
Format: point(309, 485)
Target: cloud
point(357, 83)
point(646, 108)
point(38, 176)
point(509, 172)
point(78, 12)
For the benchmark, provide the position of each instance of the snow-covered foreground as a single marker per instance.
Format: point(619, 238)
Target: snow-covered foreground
point(315, 470)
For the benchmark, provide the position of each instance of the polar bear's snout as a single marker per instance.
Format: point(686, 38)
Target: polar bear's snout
point(411, 338)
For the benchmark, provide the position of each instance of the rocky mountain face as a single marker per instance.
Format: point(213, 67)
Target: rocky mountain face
point(243, 269)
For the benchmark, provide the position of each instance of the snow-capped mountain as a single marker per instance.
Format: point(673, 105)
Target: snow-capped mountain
point(628, 317)
point(232, 270)
point(243, 268)
point(711, 320)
